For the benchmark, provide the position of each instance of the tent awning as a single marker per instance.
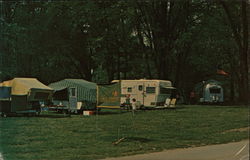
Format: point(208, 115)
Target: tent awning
point(168, 87)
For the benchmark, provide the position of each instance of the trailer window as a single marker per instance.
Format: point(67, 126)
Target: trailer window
point(73, 92)
point(41, 95)
point(214, 90)
point(140, 87)
point(165, 90)
point(150, 90)
point(129, 89)
point(61, 95)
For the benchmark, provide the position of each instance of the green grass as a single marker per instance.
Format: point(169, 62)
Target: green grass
point(77, 137)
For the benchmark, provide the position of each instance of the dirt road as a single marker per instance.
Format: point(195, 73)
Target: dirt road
point(230, 151)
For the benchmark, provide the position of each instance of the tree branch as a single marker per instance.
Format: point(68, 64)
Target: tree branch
point(236, 34)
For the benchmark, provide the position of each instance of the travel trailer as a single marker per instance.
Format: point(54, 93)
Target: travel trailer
point(209, 91)
point(147, 93)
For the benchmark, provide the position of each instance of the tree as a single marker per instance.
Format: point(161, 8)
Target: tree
point(182, 41)
point(240, 33)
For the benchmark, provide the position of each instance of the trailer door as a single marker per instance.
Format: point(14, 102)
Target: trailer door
point(151, 89)
point(140, 93)
point(73, 99)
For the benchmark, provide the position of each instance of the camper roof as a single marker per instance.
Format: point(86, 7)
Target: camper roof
point(86, 91)
point(21, 86)
point(142, 80)
point(72, 83)
point(162, 83)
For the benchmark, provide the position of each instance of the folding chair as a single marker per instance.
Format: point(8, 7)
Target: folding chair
point(172, 103)
point(167, 102)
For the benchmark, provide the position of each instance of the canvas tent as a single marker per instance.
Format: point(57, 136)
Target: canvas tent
point(74, 94)
point(109, 95)
point(23, 94)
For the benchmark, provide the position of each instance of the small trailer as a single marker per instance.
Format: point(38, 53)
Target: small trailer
point(210, 91)
point(73, 96)
point(146, 93)
point(23, 95)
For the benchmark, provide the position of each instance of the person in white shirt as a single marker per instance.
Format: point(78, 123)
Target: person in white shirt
point(133, 104)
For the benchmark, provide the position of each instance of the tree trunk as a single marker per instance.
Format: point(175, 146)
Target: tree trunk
point(243, 57)
point(242, 41)
point(118, 65)
point(232, 81)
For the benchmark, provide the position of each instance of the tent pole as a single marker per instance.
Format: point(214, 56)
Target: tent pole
point(97, 97)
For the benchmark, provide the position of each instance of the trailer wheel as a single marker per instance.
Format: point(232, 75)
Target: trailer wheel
point(37, 113)
point(142, 107)
point(65, 112)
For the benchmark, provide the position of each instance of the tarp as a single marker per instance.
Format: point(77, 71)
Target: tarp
point(22, 86)
point(5, 92)
point(109, 95)
point(86, 91)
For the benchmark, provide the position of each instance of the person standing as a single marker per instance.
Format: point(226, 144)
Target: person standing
point(127, 102)
point(133, 104)
point(192, 97)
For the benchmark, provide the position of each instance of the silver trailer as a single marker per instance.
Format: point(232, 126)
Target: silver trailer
point(210, 91)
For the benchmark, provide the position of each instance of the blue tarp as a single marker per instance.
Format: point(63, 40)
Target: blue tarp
point(5, 92)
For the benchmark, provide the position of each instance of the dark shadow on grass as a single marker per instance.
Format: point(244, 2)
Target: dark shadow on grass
point(54, 116)
point(36, 116)
point(138, 139)
point(111, 112)
point(218, 106)
point(180, 107)
point(164, 108)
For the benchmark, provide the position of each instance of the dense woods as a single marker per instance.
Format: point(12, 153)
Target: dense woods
point(185, 41)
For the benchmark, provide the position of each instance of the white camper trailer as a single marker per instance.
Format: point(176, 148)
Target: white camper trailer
point(148, 93)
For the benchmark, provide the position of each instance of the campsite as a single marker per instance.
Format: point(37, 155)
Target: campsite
point(110, 128)
point(97, 79)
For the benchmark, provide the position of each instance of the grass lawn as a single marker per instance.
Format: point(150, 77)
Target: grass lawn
point(52, 137)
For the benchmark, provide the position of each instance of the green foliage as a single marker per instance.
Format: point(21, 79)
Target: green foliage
point(183, 41)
